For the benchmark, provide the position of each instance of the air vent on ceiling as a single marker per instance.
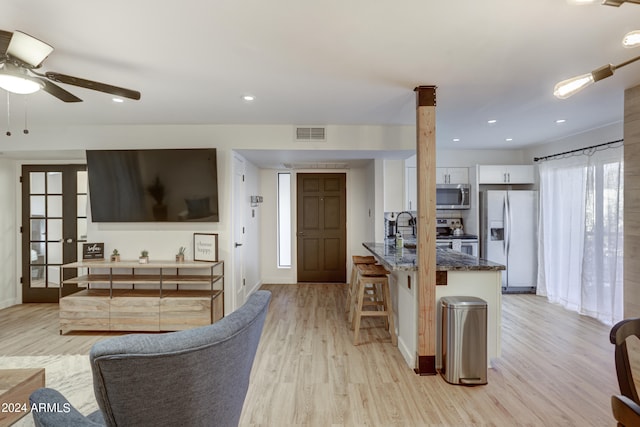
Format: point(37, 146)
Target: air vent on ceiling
point(310, 134)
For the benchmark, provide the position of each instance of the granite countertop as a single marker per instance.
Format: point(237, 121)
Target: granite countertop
point(446, 259)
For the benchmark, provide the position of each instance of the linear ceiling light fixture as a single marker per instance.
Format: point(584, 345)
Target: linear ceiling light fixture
point(631, 39)
point(615, 3)
point(569, 87)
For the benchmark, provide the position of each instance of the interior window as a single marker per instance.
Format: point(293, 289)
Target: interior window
point(284, 220)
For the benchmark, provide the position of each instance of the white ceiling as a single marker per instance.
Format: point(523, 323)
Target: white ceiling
point(353, 62)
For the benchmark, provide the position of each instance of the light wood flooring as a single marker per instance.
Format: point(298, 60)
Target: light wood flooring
point(556, 369)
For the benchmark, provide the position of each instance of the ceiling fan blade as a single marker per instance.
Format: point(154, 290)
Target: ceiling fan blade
point(28, 49)
point(5, 38)
point(57, 91)
point(102, 87)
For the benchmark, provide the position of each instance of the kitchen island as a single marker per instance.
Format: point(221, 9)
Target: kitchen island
point(457, 274)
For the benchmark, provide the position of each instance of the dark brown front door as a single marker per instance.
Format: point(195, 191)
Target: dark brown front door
point(54, 226)
point(321, 227)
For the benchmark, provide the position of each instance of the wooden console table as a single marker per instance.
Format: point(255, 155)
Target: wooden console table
point(16, 385)
point(129, 296)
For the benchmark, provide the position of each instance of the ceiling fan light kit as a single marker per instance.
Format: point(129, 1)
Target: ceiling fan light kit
point(23, 54)
point(14, 80)
point(18, 85)
point(28, 49)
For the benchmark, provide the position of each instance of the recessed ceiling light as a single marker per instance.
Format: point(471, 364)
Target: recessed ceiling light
point(456, 139)
point(509, 139)
point(560, 121)
point(248, 98)
point(492, 121)
point(118, 100)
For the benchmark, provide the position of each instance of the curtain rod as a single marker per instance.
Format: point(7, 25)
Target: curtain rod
point(583, 150)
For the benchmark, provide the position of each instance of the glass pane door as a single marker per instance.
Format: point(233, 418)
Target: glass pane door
point(54, 225)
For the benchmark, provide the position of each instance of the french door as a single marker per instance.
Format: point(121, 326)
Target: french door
point(54, 226)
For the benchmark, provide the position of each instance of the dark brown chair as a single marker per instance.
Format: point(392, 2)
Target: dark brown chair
point(625, 407)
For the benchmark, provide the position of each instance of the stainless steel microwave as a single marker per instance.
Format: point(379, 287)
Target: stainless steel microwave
point(453, 196)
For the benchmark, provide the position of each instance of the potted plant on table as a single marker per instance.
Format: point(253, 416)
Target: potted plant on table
point(180, 254)
point(115, 256)
point(144, 257)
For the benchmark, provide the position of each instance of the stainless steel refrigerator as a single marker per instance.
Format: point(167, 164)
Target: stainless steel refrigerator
point(509, 236)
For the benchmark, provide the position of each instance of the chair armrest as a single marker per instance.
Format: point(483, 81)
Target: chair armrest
point(51, 409)
point(625, 410)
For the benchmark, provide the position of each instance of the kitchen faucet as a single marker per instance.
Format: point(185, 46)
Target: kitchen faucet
point(412, 222)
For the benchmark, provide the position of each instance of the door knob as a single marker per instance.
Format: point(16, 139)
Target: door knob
point(69, 240)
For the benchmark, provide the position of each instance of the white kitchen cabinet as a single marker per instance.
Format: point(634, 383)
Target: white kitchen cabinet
point(452, 175)
point(411, 186)
point(506, 174)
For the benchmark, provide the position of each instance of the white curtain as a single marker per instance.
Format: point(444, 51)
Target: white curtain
point(580, 247)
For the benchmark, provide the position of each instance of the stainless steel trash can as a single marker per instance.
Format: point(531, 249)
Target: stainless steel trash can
point(464, 340)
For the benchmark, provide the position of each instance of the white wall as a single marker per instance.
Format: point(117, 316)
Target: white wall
point(360, 219)
point(9, 236)
point(596, 136)
point(378, 182)
point(258, 137)
point(394, 188)
point(162, 240)
point(361, 211)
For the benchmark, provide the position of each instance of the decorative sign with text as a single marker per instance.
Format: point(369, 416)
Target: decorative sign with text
point(205, 247)
point(93, 251)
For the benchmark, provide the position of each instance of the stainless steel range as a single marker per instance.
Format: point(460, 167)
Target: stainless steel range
point(450, 234)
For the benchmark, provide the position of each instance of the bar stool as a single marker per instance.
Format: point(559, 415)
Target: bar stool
point(377, 276)
point(351, 289)
point(373, 295)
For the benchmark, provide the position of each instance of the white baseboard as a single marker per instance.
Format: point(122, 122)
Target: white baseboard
point(255, 287)
point(278, 281)
point(408, 356)
point(8, 303)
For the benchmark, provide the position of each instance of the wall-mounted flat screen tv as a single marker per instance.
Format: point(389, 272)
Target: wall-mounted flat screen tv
point(153, 185)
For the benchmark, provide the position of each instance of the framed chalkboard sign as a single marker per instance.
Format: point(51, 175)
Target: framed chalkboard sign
point(93, 251)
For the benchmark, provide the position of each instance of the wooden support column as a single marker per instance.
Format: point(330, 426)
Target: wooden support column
point(426, 250)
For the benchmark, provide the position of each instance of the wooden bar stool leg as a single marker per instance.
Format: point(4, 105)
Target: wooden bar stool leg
point(380, 289)
point(350, 291)
point(354, 293)
point(357, 260)
point(389, 310)
point(358, 310)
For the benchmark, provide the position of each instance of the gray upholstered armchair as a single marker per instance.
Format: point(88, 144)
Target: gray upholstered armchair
point(197, 377)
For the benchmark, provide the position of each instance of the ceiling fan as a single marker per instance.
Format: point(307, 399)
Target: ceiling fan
point(21, 55)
